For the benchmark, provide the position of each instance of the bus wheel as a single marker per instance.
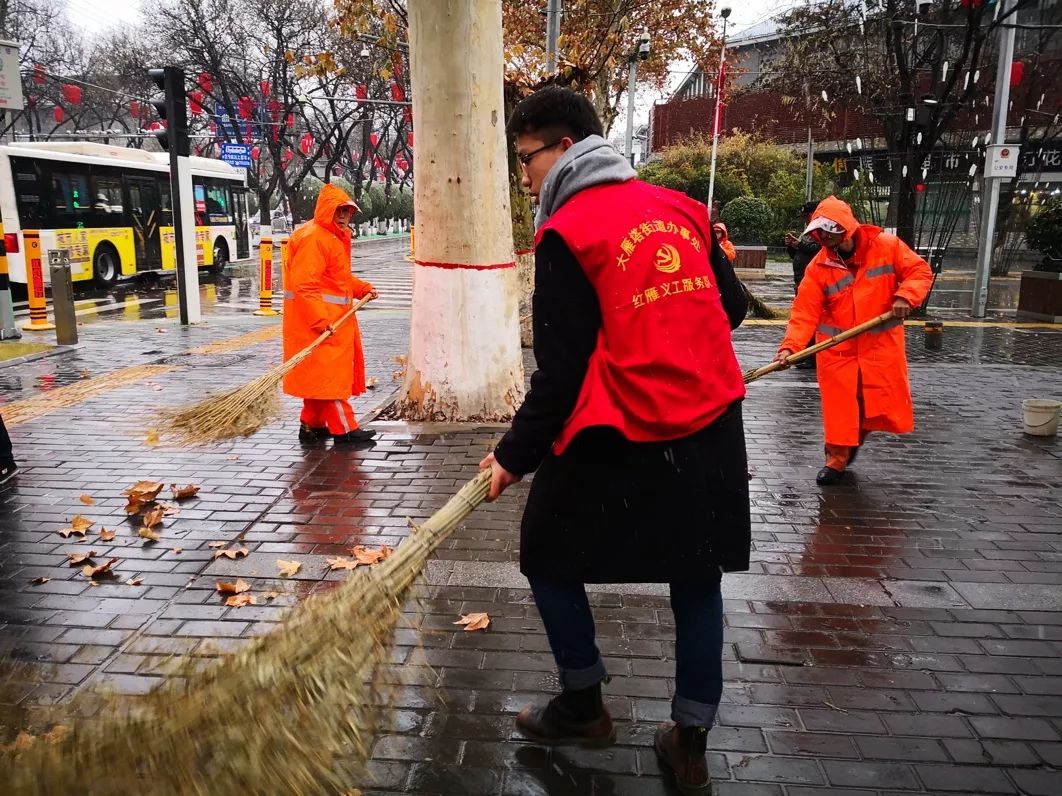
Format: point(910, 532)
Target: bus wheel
point(221, 256)
point(106, 267)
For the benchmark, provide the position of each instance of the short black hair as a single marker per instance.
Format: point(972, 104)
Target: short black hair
point(555, 112)
point(808, 208)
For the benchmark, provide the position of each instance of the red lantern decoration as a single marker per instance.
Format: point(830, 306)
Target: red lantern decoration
point(286, 157)
point(264, 85)
point(71, 93)
point(274, 108)
point(409, 140)
point(195, 102)
point(134, 108)
point(407, 114)
point(291, 121)
point(374, 139)
point(57, 112)
point(1017, 72)
point(920, 187)
point(361, 91)
point(245, 107)
point(397, 92)
point(38, 75)
point(206, 82)
point(255, 153)
point(396, 64)
point(306, 143)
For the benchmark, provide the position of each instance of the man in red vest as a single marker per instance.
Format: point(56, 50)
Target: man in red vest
point(633, 423)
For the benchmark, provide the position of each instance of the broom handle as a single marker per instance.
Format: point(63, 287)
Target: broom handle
point(331, 330)
point(810, 351)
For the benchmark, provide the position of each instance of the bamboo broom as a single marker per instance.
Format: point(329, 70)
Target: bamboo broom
point(293, 712)
point(244, 410)
point(810, 351)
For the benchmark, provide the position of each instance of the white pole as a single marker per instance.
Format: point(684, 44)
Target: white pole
point(465, 360)
point(990, 194)
point(187, 241)
point(809, 178)
point(632, 80)
point(715, 120)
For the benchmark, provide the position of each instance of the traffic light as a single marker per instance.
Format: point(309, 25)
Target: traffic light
point(172, 109)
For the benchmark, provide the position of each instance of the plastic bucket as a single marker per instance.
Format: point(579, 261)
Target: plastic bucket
point(1041, 416)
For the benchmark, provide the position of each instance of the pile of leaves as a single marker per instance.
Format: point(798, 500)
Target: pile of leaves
point(291, 712)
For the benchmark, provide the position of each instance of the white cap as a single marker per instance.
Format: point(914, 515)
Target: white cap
point(826, 225)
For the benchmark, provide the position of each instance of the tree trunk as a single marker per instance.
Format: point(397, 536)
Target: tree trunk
point(465, 361)
point(523, 216)
point(902, 208)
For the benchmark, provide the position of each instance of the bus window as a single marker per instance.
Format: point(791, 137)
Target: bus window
point(219, 208)
point(31, 198)
point(70, 198)
point(165, 209)
point(200, 205)
point(106, 195)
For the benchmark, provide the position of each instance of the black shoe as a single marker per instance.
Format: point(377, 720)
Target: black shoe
point(828, 476)
point(352, 437)
point(311, 435)
point(8, 470)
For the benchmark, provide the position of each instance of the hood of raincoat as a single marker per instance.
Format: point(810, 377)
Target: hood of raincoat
point(832, 209)
point(719, 226)
point(592, 161)
point(329, 200)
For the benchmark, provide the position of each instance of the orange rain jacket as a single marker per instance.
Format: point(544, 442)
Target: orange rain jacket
point(724, 242)
point(833, 297)
point(318, 289)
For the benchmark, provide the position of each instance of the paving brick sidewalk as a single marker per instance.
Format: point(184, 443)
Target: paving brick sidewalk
point(899, 634)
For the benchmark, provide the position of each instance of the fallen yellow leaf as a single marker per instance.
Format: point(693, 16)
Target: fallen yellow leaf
point(154, 517)
point(232, 553)
point(106, 536)
point(217, 544)
point(184, 492)
point(80, 558)
point(145, 491)
point(87, 500)
point(90, 571)
point(240, 600)
point(369, 557)
point(288, 568)
point(474, 621)
point(80, 524)
point(134, 581)
point(152, 438)
point(342, 563)
point(65, 533)
point(147, 533)
point(238, 587)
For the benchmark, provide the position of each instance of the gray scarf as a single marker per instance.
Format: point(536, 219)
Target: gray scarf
point(592, 161)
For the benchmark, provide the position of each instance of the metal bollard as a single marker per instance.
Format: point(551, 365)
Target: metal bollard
point(265, 278)
point(62, 297)
point(38, 303)
point(283, 261)
point(933, 335)
point(8, 329)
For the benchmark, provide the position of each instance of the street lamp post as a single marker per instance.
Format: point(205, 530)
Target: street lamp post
point(636, 55)
point(724, 12)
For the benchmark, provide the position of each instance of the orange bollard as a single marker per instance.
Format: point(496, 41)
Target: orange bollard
point(283, 260)
point(265, 278)
point(38, 302)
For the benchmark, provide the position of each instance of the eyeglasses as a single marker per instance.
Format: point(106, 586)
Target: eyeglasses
point(526, 158)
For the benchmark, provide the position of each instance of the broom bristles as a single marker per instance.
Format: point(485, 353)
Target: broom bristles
point(292, 712)
point(244, 410)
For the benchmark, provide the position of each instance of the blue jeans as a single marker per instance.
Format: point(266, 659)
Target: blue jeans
point(698, 609)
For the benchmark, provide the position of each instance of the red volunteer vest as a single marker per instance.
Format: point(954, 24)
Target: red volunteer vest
point(664, 366)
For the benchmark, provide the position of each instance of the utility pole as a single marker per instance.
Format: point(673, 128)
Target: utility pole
point(724, 12)
point(992, 184)
point(632, 82)
point(553, 25)
point(172, 108)
point(809, 178)
point(465, 361)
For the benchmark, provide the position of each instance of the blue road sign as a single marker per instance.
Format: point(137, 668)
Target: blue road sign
point(237, 155)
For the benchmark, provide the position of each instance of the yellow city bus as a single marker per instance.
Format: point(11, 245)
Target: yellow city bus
point(110, 207)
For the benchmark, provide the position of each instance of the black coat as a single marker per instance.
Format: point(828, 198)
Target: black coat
point(610, 510)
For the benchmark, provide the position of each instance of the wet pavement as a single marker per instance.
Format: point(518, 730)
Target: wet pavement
point(901, 633)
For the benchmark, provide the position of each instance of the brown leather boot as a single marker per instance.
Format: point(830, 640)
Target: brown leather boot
point(683, 750)
point(572, 717)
